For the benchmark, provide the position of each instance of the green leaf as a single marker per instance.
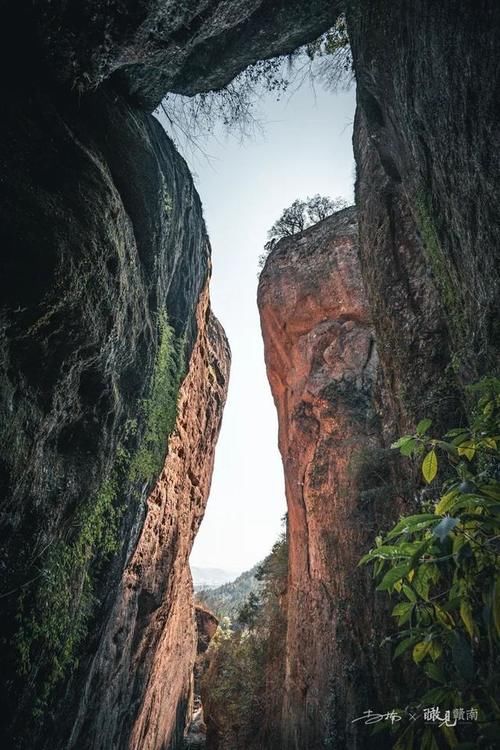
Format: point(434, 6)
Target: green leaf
point(488, 409)
point(449, 736)
point(492, 490)
point(435, 695)
point(386, 552)
point(489, 442)
point(420, 651)
point(425, 575)
point(410, 594)
point(435, 651)
point(404, 645)
point(430, 466)
point(446, 501)
point(462, 656)
point(467, 449)
point(402, 441)
point(435, 672)
point(403, 610)
point(423, 426)
point(408, 447)
point(466, 615)
point(457, 431)
point(405, 741)
point(392, 576)
point(413, 523)
point(415, 558)
point(444, 617)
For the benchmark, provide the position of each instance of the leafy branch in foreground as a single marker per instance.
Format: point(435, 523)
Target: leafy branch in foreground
point(443, 567)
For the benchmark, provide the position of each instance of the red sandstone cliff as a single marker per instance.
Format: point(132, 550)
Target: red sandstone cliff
point(322, 366)
point(146, 654)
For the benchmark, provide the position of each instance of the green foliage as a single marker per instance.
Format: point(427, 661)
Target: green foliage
point(249, 611)
point(444, 272)
point(160, 409)
point(54, 623)
point(299, 216)
point(245, 660)
point(443, 567)
point(54, 615)
point(227, 600)
point(330, 56)
point(331, 41)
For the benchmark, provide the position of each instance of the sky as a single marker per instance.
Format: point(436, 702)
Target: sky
point(304, 148)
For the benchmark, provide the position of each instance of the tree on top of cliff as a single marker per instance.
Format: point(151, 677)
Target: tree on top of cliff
point(299, 216)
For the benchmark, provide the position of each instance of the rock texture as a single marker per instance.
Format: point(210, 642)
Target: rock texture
point(322, 366)
point(413, 334)
point(206, 627)
point(427, 152)
point(146, 653)
point(102, 240)
point(102, 235)
point(151, 48)
point(103, 247)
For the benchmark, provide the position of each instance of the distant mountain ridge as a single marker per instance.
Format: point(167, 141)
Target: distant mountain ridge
point(227, 600)
point(207, 578)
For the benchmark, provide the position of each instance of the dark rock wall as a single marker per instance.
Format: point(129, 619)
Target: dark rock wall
point(417, 378)
point(428, 144)
point(101, 231)
point(151, 47)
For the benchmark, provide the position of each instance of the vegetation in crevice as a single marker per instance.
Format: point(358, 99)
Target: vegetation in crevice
point(442, 566)
point(54, 620)
point(159, 411)
point(244, 674)
point(445, 274)
point(54, 615)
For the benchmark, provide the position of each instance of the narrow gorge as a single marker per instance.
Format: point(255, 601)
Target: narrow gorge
point(115, 372)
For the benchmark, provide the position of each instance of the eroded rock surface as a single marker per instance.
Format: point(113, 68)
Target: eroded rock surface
point(146, 654)
point(322, 365)
point(102, 232)
point(427, 140)
point(151, 48)
point(104, 247)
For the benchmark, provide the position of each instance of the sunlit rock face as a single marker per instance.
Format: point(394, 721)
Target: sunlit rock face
point(146, 655)
point(322, 366)
point(206, 626)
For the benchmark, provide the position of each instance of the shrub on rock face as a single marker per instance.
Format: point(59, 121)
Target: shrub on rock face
point(443, 567)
